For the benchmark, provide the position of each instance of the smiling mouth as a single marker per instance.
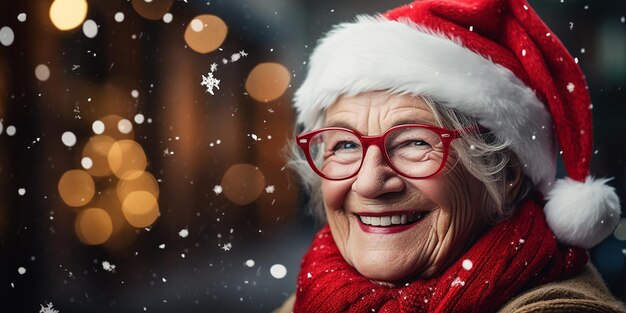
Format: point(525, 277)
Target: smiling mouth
point(392, 220)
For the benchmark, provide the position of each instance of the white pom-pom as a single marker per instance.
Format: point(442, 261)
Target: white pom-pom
point(582, 213)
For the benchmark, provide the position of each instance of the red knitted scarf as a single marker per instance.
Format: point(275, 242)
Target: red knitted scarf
point(514, 255)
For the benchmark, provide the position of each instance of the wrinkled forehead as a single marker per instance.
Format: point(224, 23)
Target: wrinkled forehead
point(378, 110)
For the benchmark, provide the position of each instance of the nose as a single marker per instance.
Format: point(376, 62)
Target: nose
point(376, 178)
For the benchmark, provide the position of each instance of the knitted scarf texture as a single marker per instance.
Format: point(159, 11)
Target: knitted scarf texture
point(512, 256)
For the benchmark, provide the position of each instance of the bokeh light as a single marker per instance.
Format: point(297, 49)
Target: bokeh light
point(111, 127)
point(68, 14)
point(98, 127)
point(86, 163)
point(93, 226)
point(119, 17)
point(76, 188)
point(107, 200)
point(42, 72)
point(145, 182)
point(68, 138)
point(243, 183)
point(6, 36)
point(90, 29)
point(267, 81)
point(140, 209)
point(127, 159)
point(124, 126)
point(152, 10)
point(97, 149)
point(205, 33)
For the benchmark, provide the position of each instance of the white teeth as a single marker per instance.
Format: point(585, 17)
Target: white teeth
point(395, 219)
point(401, 219)
point(366, 220)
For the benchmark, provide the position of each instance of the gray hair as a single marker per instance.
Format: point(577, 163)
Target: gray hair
point(483, 155)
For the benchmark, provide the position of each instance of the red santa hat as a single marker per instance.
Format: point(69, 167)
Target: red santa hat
point(494, 60)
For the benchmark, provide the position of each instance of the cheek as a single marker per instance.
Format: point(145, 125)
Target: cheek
point(334, 193)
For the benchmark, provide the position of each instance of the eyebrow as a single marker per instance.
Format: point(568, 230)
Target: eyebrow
point(402, 121)
point(338, 124)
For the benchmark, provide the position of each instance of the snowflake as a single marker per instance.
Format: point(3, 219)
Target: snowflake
point(217, 189)
point(227, 246)
point(213, 67)
point(270, 189)
point(224, 61)
point(243, 53)
point(183, 233)
point(210, 82)
point(570, 87)
point(235, 57)
point(48, 308)
point(457, 282)
point(108, 266)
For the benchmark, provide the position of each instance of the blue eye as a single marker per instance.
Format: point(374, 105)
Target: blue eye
point(345, 145)
point(414, 143)
point(418, 143)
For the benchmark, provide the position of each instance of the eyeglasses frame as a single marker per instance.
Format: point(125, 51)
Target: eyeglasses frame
point(446, 136)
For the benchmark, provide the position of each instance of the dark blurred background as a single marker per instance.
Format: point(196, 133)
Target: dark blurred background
point(125, 186)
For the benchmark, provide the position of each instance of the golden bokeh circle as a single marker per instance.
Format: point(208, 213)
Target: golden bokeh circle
point(68, 14)
point(127, 159)
point(76, 188)
point(243, 183)
point(152, 10)
point(93, 226)
point(267, 81)
point(140, 209)
point(97, 149)
point(209, 36)
point(145, 182)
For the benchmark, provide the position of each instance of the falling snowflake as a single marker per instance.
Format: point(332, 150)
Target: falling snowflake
point(108, 266)
point(48, 308)
point(210, 82)
point(217, 189)
point(457, 282)
point(183, 233)
point(213, 67)
point(571, 25)
point(467, 264)
point(570, 87)
point(227, 246)
point(235, 57)
point(270, 189)
point(224, 61)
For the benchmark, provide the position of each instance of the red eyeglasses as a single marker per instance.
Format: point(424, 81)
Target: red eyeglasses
point(414, 151)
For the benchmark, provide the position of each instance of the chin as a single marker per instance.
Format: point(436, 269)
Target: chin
point(386, 269)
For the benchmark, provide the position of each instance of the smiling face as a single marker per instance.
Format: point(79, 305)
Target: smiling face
point(427, 222)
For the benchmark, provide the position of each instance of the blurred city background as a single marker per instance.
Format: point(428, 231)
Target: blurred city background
point(142, 145)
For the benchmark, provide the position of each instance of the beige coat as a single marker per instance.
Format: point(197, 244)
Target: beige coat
point(585, 292)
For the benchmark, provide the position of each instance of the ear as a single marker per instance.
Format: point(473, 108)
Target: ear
point(513, 177)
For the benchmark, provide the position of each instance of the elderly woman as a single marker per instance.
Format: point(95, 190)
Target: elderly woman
point(429, 147)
